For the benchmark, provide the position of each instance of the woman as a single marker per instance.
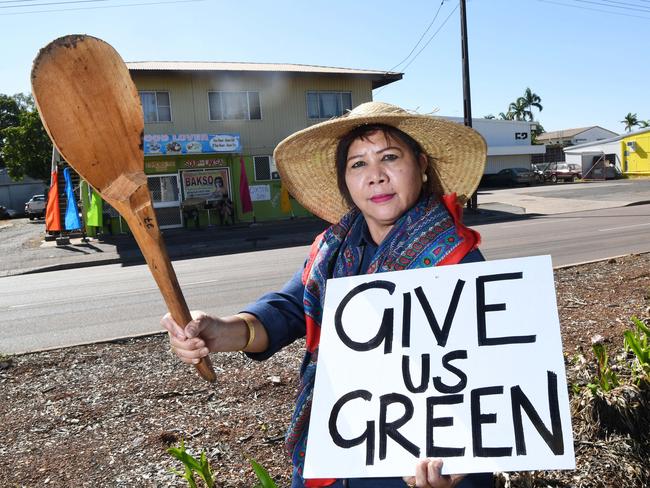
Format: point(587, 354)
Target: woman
point(387, 180)
point(219, 190)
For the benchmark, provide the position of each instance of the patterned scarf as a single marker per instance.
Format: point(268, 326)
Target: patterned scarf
point(429, 234)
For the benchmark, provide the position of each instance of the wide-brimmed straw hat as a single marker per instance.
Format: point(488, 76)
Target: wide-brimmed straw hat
point(306, 159)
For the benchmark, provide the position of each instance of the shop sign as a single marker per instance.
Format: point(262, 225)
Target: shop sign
point(191, 143)
point(260, 193)
point(159, 166)
point(205, 163)
point(208, 184)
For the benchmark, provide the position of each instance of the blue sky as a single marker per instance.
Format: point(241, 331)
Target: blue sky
point(585, 58)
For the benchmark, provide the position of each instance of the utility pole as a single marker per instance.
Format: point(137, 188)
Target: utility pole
point(472, 203)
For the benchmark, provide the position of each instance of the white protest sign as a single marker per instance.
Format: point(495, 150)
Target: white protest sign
point(461, 362)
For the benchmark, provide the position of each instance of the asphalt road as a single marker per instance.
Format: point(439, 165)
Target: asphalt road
point(63, 308)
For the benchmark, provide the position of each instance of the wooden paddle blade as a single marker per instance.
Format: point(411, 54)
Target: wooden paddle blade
point(90, 108)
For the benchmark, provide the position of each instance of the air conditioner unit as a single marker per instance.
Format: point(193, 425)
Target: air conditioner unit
point(631, 145)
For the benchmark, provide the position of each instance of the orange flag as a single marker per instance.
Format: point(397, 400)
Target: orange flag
point(52, 210)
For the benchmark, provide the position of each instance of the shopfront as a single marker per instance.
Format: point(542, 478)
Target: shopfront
point(188, 173)
point(194, 179)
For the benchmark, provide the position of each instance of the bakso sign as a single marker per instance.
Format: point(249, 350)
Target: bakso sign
point(460, 362)
point(170, 144)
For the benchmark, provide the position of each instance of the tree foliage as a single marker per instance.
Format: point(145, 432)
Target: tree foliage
point(9, 113)
point(25, 147)
point(522, 107)
point(631, 121)
point(519, 110)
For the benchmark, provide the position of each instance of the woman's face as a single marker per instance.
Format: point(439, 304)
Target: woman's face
point(384, 180)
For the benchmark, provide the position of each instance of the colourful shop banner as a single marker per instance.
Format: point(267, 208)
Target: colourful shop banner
point(170, 144)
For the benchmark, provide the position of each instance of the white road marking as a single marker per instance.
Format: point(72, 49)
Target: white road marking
point(538, 221)
point(104, 295)
point(624, 227)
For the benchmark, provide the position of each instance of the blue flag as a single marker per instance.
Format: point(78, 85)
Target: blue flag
point(72, 211)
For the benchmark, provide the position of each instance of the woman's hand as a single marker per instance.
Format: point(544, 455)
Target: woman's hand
point(197, 340)
point(428, 475)
point(206, 334)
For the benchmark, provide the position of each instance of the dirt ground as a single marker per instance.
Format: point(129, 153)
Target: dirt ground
point(104, 414)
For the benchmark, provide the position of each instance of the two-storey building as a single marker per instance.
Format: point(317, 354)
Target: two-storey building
point(208, 123)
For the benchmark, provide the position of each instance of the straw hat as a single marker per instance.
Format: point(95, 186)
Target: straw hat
point(306, 160)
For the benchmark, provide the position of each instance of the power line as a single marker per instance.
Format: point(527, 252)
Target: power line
point(594, 9)
point(51, 3)
point(100, 7)
point(423, 47)
point(421, 37)
point(431, 38)
point(627, 6)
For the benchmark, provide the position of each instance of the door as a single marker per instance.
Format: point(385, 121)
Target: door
point(166, 200)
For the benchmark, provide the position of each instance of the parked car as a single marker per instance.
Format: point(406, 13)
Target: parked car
point(6, 213)
point(538, 170)
point(509, 177)
point(562, 171)
point(35, 208)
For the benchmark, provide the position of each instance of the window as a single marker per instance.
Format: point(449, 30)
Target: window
point(163, 189)
point(156, 106)
point(243, 105)
point(325, 105)
point(265, 168)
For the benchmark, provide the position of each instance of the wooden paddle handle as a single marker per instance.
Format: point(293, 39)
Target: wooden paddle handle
point(139, 214)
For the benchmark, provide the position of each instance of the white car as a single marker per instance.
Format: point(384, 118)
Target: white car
point(35, 208)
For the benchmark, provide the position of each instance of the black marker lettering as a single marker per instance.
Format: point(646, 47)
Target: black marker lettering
point(441, 334)
point(385, 333)
point(432, 449)
point(368, 435)
point(520, 401)
point(424, 375)
point(390, 429)
point(478, 419)
point(462, 377)
point(482, 308)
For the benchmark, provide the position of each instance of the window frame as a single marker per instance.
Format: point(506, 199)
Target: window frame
point(318, 93)
point(271, 163)
point(155, 94)
point(248, 105)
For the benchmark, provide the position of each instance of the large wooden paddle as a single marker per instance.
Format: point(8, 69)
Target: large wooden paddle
point(91, 110)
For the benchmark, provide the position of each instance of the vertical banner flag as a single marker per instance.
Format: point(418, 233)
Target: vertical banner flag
point(94, 209)
point(72, 211)
point(244, 191)
point(52, 211)
point(285, 202)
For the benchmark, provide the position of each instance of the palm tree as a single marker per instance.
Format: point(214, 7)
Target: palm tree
point(532, 100)
point(489, 116)
point(630, 121)
point(505, 116)
point(644, 124)
point(518, 109)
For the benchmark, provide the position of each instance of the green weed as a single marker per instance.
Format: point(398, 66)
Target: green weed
point(193, 466)
point(607, 378)
point(637, 342)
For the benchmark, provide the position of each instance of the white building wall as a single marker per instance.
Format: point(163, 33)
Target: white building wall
point(508, 140)
point(585, 155)
point(593, 134)
point(497, 163)
point(500, 132)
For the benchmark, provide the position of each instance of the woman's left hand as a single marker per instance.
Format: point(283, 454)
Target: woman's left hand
point(428, 475)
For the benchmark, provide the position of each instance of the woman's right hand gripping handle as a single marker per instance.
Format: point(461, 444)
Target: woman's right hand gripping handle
point(206, 334)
